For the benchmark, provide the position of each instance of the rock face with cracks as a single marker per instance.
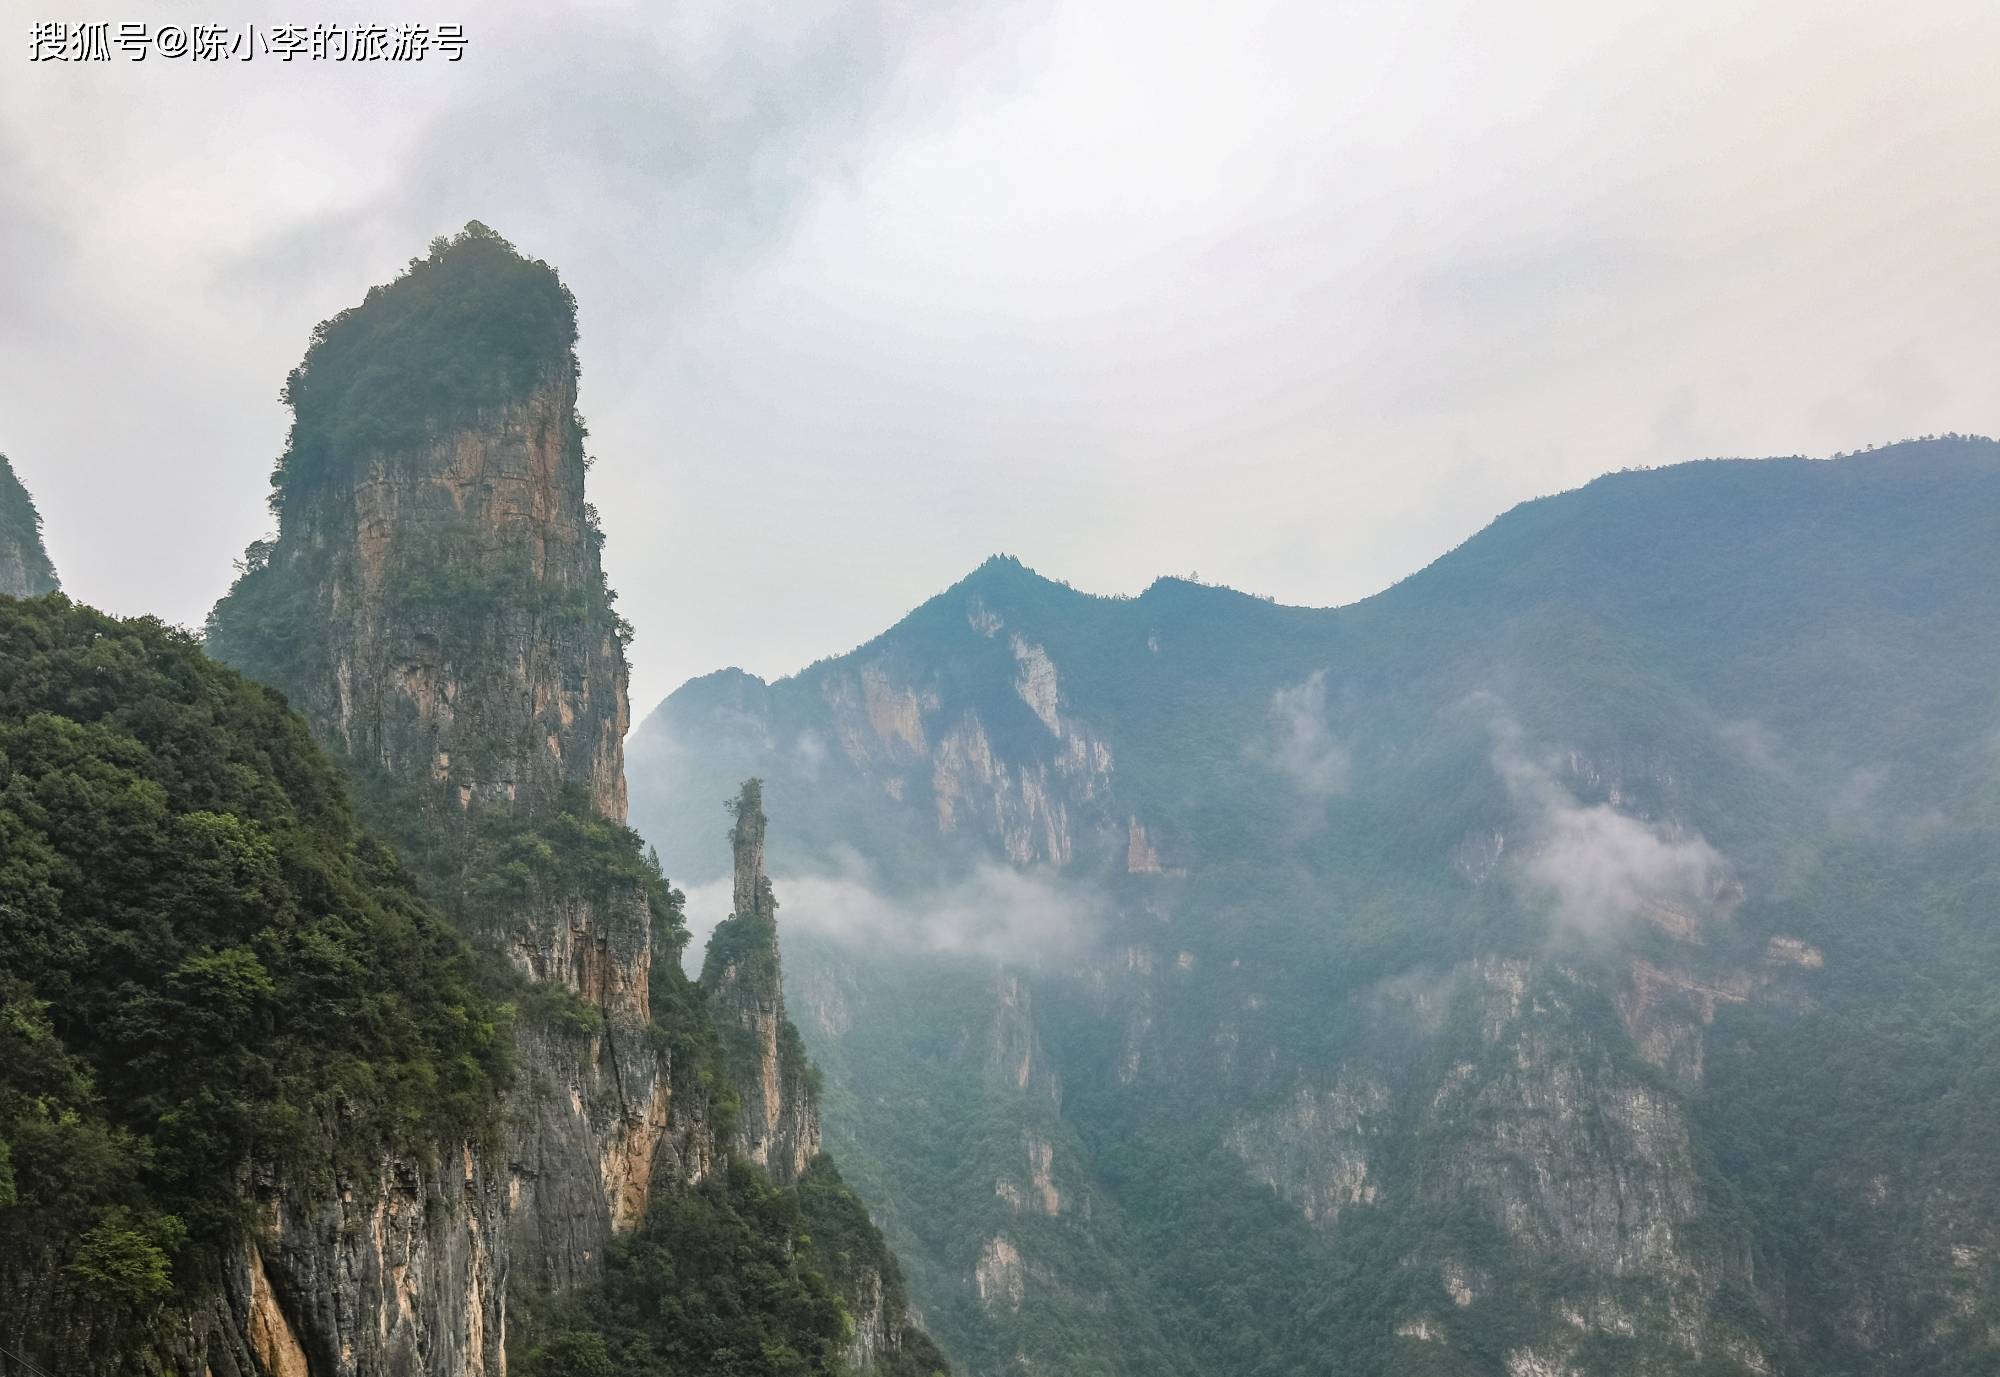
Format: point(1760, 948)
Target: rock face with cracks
point(777, 1125)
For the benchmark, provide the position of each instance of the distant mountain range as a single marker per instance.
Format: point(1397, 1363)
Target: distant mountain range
point(1582, 957)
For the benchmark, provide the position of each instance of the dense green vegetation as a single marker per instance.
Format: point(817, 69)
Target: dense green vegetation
point(851, 1249)
point(922, 1123)
point(715, 1283)
point(489, 866)
point(729, 1278)
point(206, 965)
point(469, 326)
point(223, 1005)
point(736, 1275)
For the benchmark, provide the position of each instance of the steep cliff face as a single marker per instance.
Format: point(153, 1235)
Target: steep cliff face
point(990, 753)
point(1493, 1103)
point(777, 1124)
point(25, 571)
point(434, 604)
point(904, 738)
point(435, 600)
point(404, 1271)
point(776, 1119)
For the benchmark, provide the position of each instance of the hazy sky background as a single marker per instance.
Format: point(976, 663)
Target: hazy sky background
point(1294, 295)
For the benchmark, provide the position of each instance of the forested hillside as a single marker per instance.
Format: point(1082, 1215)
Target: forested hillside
point(210, 975)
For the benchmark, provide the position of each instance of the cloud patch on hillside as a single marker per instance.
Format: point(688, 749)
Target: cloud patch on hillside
point(994, 913)
point(1300, 745)
point(1592, 867)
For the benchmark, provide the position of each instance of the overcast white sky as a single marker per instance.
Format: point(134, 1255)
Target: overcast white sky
point(1295, 295)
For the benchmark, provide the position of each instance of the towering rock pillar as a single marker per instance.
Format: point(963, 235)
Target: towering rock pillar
point(25, 571)
point(778, 1122)
point(434, 603)
point(751, 893)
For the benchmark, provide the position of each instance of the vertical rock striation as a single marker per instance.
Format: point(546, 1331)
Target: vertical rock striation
point(434, 600)
point(777, 1121)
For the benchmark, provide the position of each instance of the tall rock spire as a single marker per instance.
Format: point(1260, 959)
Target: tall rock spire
point(434, 604)
point(751, 893)
point(777, 1125)
point(434, 600)
point(25, 571)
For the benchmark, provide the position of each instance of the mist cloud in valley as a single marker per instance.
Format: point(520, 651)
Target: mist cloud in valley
point(1299, 743)
point(1591, 866)
point(994, 912)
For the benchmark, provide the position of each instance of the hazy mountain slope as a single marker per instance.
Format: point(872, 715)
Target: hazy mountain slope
point(1576, 957)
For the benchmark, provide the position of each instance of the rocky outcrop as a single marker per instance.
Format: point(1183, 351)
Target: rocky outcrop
point(777, 1115)
point(433, 605)
point(401, 1272)
point(1314, 1150)
point(1514, 1061)
point(25, 571)
point(1525, 1116)
point(1000, 1278)
point(1015, 1059)
point(877, 1330)
point(777, 1124)
point(1012, 764)
point(901, 736)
